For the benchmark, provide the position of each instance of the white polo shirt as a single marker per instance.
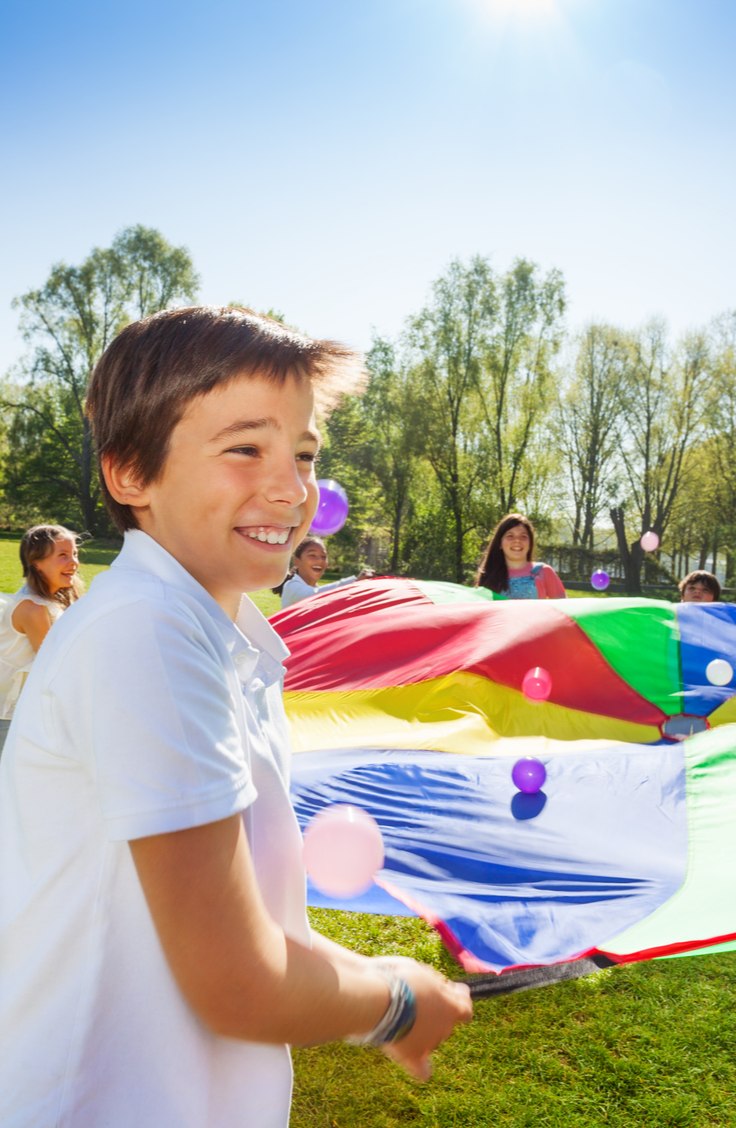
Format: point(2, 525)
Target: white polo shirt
point(146, 711)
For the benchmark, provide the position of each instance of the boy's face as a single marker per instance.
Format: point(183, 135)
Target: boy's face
point(238, 490)
point(697, 592)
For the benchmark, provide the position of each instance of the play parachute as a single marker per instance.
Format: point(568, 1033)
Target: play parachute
point(405, 699)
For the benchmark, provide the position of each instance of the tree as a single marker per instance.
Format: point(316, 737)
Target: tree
point(719, 469)
point(665, 403)
point(68, 324)
point(391, 404)
point(515, 376)
point(589, 422)
point(447, 341)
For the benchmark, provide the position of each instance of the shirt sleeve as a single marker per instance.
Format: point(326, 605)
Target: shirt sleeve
point(295, 589)
point(153, 717)
point(553, 587)
point(324, 588)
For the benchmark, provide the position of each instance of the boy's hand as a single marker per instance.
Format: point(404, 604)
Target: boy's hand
point(367, 574)
point(441, 1005)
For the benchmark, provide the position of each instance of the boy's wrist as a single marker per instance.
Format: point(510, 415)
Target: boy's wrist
point(399, 1017)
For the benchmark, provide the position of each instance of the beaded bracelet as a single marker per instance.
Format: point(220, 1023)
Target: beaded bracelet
point(399, 1017)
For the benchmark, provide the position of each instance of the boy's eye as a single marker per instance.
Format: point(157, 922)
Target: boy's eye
point(249, 450)
point(307, 456)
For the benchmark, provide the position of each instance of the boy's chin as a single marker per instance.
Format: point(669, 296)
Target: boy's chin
point(267, 576)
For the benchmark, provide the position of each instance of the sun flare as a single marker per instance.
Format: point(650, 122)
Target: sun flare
point(520, 11)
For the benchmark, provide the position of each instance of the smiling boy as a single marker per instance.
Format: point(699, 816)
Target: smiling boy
point(155, 954)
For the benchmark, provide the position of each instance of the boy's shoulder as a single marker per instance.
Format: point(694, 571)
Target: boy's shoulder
point(122, 601)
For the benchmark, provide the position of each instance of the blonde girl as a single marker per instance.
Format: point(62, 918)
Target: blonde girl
point(50, 560)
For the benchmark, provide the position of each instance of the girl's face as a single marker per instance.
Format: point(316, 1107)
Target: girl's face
point(515, 544)
point(312, 563)
point(60, 566)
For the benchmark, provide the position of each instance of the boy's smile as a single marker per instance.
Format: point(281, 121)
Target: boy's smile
point(238, 489)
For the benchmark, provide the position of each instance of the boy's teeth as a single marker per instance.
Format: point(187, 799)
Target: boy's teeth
point(271, 537)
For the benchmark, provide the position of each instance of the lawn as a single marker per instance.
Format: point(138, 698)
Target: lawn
point(94, 557)
point(643, 1046)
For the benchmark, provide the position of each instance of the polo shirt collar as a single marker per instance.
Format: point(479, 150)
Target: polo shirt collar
point(250, 632)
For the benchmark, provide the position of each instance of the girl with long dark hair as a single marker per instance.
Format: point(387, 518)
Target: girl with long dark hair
point(508, 565)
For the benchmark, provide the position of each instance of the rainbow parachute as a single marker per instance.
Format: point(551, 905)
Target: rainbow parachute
point(405, 698)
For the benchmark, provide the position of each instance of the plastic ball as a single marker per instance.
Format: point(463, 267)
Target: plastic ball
point(649, 541)
point(343, 850)
point(719, 672)
point(600, 580)
point(332, 511)
point(536, 684)
point(528, 775)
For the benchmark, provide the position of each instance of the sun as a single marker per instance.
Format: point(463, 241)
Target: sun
point(523, 9)
point(520, 11)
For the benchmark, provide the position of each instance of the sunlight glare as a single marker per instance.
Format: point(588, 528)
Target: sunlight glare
point(520, 11)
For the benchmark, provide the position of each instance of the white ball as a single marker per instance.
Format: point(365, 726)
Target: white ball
point(719, 672)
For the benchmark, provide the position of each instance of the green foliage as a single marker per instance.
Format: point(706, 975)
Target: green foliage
point(587, 424)
point(452, 420)
point(68, 323)
point(348, 437)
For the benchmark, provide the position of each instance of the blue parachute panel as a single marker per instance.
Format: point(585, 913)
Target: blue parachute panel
point(707, 631)
point(515, 879)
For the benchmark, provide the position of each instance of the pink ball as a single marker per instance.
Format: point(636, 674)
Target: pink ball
point(536, 684)
point(650, 541)
point(343, 850)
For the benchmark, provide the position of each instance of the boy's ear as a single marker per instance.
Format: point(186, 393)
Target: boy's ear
point(123, 484)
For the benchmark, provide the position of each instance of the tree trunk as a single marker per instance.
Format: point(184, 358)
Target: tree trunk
point(88, 499)
point(459, 577)
point(631, 555)
point(398, 512)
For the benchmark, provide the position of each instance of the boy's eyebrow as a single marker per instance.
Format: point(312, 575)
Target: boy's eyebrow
point(241, 425)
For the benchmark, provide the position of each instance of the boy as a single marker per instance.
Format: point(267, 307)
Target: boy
point(155, 956)
point(700, 587)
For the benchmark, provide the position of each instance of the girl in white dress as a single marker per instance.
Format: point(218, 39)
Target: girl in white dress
point(50, 560)
point(310, 561)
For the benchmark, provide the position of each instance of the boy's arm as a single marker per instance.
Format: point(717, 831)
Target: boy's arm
point(246, 979)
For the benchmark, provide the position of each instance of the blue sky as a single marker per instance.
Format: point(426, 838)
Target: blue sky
point(329, 158)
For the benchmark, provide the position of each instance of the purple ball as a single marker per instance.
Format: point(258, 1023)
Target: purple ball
point(529, 775)
point(332, 511)
point(600, 580)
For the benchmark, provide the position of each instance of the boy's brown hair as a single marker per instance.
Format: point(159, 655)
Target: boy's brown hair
point(148, 376)
point(707, 579)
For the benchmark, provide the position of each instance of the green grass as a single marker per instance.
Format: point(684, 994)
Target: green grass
point(94, 557)
point(650, 1045)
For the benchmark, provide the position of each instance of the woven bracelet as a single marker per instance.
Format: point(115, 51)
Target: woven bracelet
point(398, 1019)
